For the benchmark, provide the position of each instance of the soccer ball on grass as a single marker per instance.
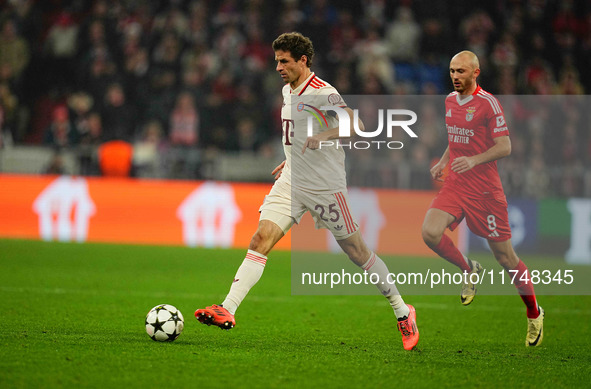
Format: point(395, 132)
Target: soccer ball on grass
point(164, 323)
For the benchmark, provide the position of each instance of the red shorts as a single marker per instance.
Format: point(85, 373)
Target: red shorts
point(486, 217)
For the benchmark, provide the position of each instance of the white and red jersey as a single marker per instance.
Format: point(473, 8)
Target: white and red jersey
point(315, 171)
point(472, 124)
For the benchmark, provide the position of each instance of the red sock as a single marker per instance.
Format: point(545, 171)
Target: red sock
point(448, 251)
point(525, 289)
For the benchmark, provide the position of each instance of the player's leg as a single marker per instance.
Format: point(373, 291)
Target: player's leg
point(274, 222)
point(358, 252)
point(339, 221)
point(489, 219)
point(249, 273)
point(433, 231)
point(508, 259)
point(356, 249)
point(434, 225)
point(342, 225)
point(251, 270)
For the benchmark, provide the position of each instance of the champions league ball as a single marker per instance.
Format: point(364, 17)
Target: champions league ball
point(164, 323)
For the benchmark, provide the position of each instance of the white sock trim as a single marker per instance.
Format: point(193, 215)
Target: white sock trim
point(375, 265)
point(370, 262)
point(255, 257)
point(246, 277)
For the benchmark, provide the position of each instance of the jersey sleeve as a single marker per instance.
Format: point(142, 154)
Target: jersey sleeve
point(496, 120)
point(330, 96)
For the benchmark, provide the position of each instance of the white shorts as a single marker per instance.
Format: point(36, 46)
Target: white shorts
point(285, 207)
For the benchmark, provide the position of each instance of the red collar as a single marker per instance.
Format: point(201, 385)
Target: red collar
point(308, 83)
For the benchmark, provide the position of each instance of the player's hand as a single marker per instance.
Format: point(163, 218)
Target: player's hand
point(462, 164)
point(278, 170)
point(437, 172)
point(312, 143)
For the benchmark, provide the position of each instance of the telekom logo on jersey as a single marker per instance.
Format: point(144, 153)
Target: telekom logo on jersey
point(345, 128)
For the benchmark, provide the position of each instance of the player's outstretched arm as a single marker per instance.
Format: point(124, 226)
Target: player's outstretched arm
point(313, 142)
point(278, 170)
point(501, 149)
point(437, 170)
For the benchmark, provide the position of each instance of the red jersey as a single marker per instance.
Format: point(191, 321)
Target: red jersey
point(472, 124)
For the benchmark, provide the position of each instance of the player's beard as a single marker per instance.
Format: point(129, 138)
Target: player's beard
point(464, 86)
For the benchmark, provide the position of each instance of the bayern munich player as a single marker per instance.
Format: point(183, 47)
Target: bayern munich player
point(312, 178)
point(478, 136)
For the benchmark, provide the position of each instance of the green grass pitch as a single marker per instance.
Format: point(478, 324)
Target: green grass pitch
point(73, 316)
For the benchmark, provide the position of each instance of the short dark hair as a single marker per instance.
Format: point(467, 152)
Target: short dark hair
point(296, 44)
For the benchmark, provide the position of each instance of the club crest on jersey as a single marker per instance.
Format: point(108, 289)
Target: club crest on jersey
point(335, 98)
point(470, 113)
point(314, 112)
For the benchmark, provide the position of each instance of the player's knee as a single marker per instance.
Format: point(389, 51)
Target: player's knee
point(358, 253)
point(431, 236)
point(260, 242)
point(505, 260)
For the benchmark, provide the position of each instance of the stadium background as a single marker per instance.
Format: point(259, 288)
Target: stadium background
point(187, 90)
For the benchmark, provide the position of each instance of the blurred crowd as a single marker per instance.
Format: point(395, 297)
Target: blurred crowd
point(181, 81)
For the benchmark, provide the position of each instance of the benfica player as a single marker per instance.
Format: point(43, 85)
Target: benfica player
point(478, 136)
